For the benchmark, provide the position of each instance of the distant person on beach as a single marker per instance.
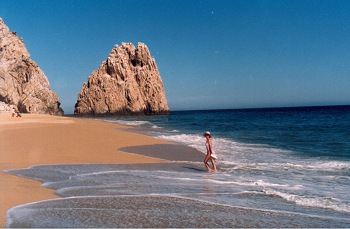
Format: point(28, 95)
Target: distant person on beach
point(15, 113)
point(210, 152)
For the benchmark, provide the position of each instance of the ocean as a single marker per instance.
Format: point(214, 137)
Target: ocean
point(277, 167)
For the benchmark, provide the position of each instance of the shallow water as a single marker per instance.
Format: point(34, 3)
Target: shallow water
point(162, 195)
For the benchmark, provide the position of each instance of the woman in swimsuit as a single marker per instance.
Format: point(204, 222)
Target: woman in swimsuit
point(210, 152)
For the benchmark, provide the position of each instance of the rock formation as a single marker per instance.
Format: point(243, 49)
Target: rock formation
point(128, 82)
point(22, 83)
point(4, 107)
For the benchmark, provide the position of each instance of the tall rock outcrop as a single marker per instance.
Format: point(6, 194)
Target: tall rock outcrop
point(128, 82)
point(22, 83)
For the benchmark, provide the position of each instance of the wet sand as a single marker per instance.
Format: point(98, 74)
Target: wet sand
point(43, 140)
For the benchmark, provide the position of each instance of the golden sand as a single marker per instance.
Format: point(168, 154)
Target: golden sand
point(43, 139)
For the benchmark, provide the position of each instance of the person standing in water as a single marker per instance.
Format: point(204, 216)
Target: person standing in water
point(210, 152)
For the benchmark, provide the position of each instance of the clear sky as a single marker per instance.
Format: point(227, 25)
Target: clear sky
point(211, 54)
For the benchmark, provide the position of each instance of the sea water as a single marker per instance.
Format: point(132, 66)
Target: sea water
point(282, 167)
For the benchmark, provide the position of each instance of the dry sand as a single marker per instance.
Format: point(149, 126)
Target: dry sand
point(44, 139)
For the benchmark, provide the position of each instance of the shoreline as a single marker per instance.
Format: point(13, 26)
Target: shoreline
point(36, 139)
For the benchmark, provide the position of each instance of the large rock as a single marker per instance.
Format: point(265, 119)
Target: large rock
point(128, 82)
point(22, 83)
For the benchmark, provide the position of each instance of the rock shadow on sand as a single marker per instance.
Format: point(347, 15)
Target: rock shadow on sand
point(170, 152)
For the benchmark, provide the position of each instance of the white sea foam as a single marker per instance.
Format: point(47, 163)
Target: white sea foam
point(314, 201)
point(180, 178)
point(218, 179)
point(332, 165)
point(100, 173)
point(129, 123)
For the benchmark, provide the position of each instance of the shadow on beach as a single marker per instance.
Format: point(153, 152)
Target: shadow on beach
point(170, 152)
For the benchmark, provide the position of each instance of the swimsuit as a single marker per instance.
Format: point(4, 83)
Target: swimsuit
point(212, 151)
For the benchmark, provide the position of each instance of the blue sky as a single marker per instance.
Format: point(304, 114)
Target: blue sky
point(211, 54)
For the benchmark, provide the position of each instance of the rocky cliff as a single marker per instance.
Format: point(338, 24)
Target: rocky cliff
point(22, 83)
point(128, 82)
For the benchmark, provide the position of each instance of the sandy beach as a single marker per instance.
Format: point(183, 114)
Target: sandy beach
point(43, 139)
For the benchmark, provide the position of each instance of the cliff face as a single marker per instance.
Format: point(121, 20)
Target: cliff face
point(22, 83)
point(128, 82)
